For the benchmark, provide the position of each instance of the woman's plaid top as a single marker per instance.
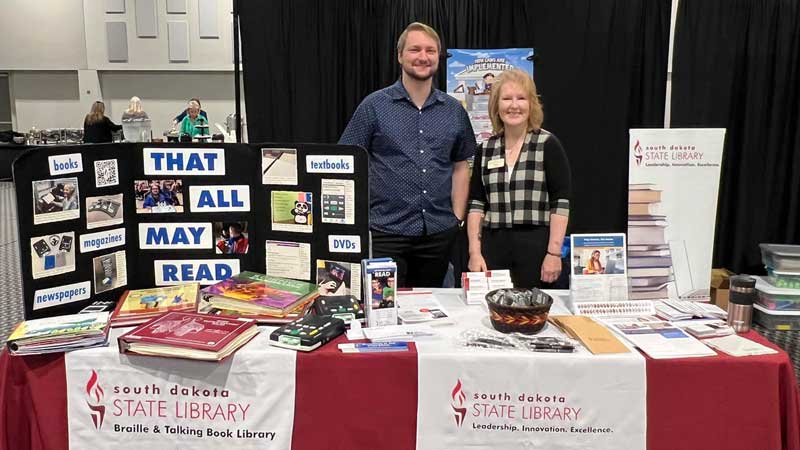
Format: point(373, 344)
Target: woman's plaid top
point(538, 186)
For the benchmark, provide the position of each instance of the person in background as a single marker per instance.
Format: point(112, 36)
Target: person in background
point(97, 127)
point(134, 110)
point(70, 200)
point(520, 188)
point(419, 140)
point(192, 119)
point(179, 117)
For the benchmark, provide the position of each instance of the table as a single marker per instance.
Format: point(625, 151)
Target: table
point(738, 403)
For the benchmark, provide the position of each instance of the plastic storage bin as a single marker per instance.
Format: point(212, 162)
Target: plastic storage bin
point(783, 280)
point(776, 320)
point(777, 299)
point(781, 257)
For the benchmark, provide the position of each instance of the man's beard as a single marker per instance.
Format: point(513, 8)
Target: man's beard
point(413, 75)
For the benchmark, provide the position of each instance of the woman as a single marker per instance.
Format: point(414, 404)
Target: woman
point(594, 266)
point(70, 200)
point(520, 187)
point(134, 110)
point(96, 126)
point(190, 122)
point(155, 198)
point(179, 118)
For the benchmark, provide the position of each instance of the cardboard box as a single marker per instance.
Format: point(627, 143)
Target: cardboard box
point(720, 287)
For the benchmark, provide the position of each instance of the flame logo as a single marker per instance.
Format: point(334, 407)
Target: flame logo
point(638, 153)
point(95, 396)
point(458, 399)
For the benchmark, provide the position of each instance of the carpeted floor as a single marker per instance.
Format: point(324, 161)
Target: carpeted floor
point(11, 307)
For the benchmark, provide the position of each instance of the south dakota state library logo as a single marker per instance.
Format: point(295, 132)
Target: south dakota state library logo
point(94, 399)
point(458, 400)
point(638, 153)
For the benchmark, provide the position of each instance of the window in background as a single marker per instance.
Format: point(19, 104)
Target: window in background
point(5, 103)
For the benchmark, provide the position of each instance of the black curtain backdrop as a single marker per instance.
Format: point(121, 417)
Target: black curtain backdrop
point(736, 65)
point(601, 69)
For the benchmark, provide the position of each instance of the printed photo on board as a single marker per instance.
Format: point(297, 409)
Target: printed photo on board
point(338, 278)
point(231, 238)
point(158, 196)
point(110, 272)
point(53, 254)
point(55, 200)
point(103, 211)
point(279, 166)
point(292, 211)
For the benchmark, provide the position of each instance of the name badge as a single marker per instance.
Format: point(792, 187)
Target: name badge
point(495, 163)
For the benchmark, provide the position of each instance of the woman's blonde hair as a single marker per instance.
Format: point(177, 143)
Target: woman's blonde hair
point(135, 106)
point(523, 80)
point(96, 114)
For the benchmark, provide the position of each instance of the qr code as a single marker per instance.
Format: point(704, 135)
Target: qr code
point(106, 172)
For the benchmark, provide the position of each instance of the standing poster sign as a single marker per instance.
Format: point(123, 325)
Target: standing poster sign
point(672, 211)
point(470, 74)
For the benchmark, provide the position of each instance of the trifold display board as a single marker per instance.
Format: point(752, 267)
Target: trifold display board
point(95, 220)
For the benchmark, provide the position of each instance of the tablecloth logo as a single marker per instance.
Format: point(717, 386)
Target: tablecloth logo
point(95, 394)
point(458, 398)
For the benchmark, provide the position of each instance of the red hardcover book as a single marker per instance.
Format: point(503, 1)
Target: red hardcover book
point(189, 335)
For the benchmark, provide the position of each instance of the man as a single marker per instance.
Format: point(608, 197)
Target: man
point(419, 140)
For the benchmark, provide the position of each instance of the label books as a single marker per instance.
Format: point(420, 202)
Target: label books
point(189, 335)
point(59, 334)
point(379, 291)
point(255, 293)
point(138, 306)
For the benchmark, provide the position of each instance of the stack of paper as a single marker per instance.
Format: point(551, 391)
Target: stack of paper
point(59, 334)
point(416, 306)
point(477, 284)
point(735, 345)
point(672, 310)
point(398, 333)
point(660, 340)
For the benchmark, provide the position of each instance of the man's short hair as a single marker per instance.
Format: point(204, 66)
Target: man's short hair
point(418, 26)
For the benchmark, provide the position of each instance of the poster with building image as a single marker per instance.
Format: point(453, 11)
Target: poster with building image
point(470, 75)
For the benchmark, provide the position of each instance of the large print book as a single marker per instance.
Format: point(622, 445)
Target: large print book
point(138, 306)
point(189, 335)
point(205, 307)
point(255, 293)
point(59, 334)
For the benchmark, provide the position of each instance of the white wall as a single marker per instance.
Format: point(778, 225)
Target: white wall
point(60, 66)
point(46, 99)
point(165, 94)
point(42, 34)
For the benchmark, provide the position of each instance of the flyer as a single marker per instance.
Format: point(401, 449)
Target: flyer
point(289, 260)
point(338, 201)
point(292, 211)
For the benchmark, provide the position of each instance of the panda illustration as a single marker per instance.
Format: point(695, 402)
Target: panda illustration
point(301, 212)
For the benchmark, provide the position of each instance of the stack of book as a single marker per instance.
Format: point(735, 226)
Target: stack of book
point(649, 260)
point(263, 298)
point(138, 306)
point(477, 284)
point(59, 334)
point(189, 336)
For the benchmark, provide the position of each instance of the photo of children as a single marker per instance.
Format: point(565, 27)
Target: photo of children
point(103, 211)
point(231, 238)
point(158, 196)
point(53, 254)
point(55, 200)
point(338, 278)
point(382, 292)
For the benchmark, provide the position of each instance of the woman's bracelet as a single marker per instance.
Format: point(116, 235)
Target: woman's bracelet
point(557, 255)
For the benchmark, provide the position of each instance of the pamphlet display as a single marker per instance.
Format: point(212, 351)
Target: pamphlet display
point(101, 219)
point(598, 270)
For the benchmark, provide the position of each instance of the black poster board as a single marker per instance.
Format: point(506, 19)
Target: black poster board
point(54, 283)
